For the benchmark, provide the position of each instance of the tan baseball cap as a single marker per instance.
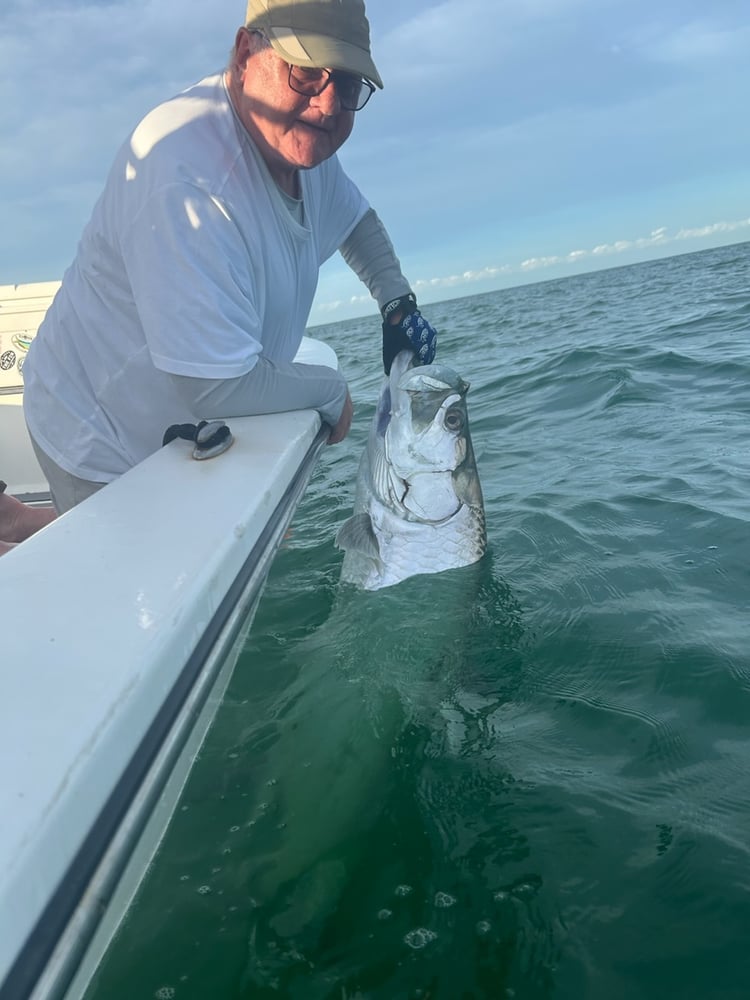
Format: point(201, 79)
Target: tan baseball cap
point(325, 34)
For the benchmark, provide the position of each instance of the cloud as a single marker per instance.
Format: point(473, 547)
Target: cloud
point(698, 42)
point(657, 238)
point(74, 84)
point(714, 229)
point(473, 46)
point(507, 128)
point(465, 278)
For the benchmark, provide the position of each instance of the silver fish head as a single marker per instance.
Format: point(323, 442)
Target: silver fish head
point(418, 507)
point(428, 445)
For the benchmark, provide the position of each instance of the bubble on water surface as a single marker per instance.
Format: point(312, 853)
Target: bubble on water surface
point(443, 900)
point(385, 914)
point(419, 937)
point(403, 890)
point(165, 993)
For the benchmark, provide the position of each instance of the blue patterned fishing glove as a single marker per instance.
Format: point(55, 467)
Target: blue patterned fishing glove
point(411, 332)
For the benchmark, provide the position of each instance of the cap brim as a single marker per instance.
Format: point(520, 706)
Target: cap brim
point(329, 53)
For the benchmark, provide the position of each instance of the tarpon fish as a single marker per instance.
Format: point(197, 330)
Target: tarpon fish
point(418, 505)
point(352, 686)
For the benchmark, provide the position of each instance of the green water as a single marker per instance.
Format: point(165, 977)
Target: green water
point(526, 779)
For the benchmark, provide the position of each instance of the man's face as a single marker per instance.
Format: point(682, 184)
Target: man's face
point(292, 131)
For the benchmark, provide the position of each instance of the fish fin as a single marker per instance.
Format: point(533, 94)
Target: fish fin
point(357, 534)
point(384, 481)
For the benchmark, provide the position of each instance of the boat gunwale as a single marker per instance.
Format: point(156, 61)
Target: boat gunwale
point(47, 962)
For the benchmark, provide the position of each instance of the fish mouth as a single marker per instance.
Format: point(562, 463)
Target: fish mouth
point(432, 378)
point(401, 364)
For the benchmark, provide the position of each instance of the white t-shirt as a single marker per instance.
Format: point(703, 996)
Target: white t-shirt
point(192, 264)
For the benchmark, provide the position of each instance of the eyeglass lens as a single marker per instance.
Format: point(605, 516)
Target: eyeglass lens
point(353, 92)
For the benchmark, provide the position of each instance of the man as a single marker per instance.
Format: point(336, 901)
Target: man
point(194, 278)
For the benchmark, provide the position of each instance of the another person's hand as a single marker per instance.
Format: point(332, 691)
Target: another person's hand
point(339, 432)
point(405, 328)
point(19, 521)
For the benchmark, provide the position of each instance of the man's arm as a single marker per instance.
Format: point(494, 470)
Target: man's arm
point(369, 253)
point(269, 387)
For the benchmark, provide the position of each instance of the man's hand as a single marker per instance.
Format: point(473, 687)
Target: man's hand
point(405, 328)
point(339, 432)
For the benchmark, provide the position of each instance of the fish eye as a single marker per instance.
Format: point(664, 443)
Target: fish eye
point(454, 420)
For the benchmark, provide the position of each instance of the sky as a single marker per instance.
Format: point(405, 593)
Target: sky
point(515, 140)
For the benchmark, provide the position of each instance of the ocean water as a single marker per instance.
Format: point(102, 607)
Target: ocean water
point(528, 779)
